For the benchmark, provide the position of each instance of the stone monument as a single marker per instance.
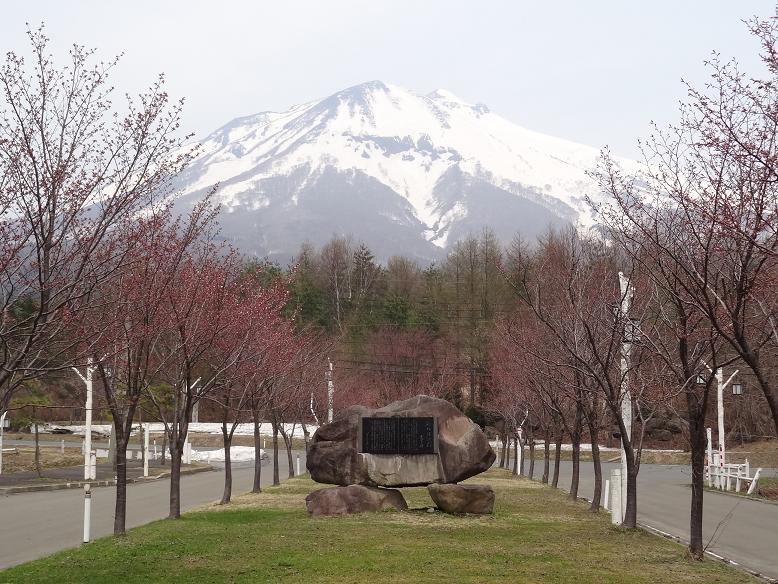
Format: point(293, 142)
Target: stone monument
point(414, 442)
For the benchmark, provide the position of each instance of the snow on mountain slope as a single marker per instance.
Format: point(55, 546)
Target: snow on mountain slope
point(402, 171)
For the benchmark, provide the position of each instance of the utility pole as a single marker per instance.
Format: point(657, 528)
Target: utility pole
point(720, 387)
point(90, 472)
point(330, 391)
point(627, 291)
point(720, 394)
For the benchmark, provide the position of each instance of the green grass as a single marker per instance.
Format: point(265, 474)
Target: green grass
point(535, 535)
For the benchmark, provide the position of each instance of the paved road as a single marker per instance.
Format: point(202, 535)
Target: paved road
point(33, 525)
point(747, 530)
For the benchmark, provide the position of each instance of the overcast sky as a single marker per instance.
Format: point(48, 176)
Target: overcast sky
point(592, 71)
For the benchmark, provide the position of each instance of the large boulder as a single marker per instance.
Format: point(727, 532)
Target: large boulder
point(463, 498)
point(353, 499)
point(463, 449)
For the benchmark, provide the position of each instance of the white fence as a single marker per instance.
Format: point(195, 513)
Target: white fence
point(728, 476)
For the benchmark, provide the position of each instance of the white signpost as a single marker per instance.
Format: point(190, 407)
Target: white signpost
point(146, 450)
point(2, 429)
point(87, 513)
point(90, 472)
point(615, 499)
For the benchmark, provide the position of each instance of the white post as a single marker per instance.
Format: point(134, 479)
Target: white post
point(2, 429)
point(607, 493)
point(720, 413)
point(155, 449)
point(62, 447)
point(752, 486)
point(298, 465)
point(88, 415)
point(709, 467)
point(627, 292)
point(615, 484)
point(146, 450)
point(716, 471)
point(87, 512)
point(330, 392)
point(90, 474)
point(92, 466)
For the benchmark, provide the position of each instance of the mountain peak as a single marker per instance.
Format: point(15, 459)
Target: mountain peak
point(398, 169)
point(444, 95)
point(367, 89)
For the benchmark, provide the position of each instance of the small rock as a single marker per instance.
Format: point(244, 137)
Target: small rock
point(463, 498)
point(353, 499)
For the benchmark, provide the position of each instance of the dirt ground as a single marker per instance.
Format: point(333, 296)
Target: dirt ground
point(24, 459)
point(763, 453)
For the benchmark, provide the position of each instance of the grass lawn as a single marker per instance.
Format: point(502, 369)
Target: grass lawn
point(535, 535)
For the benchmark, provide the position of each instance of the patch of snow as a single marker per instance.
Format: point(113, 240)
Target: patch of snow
point(237, 454)
point(247, 429)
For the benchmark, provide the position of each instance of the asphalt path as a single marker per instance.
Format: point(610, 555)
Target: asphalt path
point(739, 529)
point(34, 525)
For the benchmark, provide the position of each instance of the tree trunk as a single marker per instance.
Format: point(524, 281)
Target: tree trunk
point(120, 509)
point(113, 445)
point(288, 445)
point(546, 456)
point(520, 454)
point(575, 437)
point(698, 443)
point(531, 441)
point(631, 513)
point(164, 448)
point(557, 459)
point(306, 436)
point(257, 486)
point(276, 478)
point(175, 480)
point(227, 439)
point(504, 438)
point(596, 461)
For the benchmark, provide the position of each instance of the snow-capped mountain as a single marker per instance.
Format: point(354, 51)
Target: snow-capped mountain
point(403, 172)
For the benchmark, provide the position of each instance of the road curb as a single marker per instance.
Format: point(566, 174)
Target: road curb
point(102, 483)
point(739, 496)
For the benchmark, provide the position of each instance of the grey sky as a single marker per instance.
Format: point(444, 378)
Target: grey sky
point(593, 71)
